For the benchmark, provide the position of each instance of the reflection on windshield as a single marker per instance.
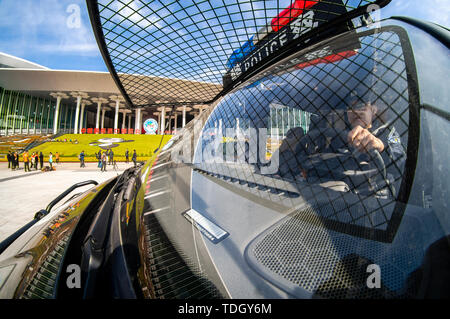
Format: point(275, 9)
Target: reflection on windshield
point(337, 124)
point(324, 141)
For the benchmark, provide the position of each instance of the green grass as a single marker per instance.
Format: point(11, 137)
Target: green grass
point(144, 145)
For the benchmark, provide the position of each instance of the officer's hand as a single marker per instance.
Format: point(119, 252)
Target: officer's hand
point(363, 140)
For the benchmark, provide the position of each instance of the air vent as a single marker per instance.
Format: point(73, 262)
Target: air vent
point(303, 257)
point(170, 276)
point(242, 182)
point(43, 284)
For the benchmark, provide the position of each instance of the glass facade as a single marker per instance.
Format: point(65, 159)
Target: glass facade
point(22, 113)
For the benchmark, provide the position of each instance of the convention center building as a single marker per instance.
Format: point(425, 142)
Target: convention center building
point(37, 100)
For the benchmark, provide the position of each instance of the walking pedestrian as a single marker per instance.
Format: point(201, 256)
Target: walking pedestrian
point(127, 156)
point(16, 160)
point(57, 158)
point(104, 158)
point(82, 159)
point(26, 161)
point(13, 161)
point(107, 156)
point(41, 160)
point(50, 160)
point(9, 159)
point(134, 158)
point(32, 159)
point(111, 157)
point(99, 158)
point(36, 160)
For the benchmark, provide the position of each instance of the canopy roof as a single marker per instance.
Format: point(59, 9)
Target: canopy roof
point(207, 47)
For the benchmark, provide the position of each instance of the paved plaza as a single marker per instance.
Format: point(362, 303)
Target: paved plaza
point(22, 193)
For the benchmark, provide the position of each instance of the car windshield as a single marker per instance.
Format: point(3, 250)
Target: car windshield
point(333, 118)
point(326, 137)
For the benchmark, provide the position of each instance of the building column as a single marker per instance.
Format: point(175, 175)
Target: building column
point(125, 112)
point(137, 124)
point(184, 109)
point(59, 96)
point(83, 104)
point(28, 117)
point(99, 102)
point(55, 123)
point(129, 121)
point(170, 121)
point(140, 120)
point(163, 120)
point(116, 117)
point(175, 123)
point(117, 99)
point(103, 118)
point(77, 115)
point(79, 96)
point(97, 118)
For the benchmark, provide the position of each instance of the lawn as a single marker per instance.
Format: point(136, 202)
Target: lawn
point(144, 145)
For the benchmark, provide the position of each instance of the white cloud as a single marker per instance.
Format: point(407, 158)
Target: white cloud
point(437, 11)
point(42, 26)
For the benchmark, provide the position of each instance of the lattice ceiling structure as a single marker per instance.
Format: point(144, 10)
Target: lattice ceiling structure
point(191, 52)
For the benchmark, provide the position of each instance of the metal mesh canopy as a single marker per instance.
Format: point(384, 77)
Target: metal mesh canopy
point(181, 52)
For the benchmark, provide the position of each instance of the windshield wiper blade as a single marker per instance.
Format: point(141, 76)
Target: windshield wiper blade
point(96, 240)
point(40, 214)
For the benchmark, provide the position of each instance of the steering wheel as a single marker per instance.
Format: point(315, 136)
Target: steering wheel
point(381, 166)
point(307, 144)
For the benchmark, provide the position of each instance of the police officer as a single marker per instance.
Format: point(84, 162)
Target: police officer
point(370, 132)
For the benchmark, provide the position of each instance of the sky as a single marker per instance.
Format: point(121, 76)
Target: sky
point(58, 34)
point(53, 33)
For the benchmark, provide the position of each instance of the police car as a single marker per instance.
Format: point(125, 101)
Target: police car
point(337, 185)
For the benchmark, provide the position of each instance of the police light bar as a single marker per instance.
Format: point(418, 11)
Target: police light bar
point(290, 13)
point(287, 27)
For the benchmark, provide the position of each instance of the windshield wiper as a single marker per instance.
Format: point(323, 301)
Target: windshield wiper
point(40, 214)
point(96, 241)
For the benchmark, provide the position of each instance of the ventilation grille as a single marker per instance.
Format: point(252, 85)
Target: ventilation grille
point(170, 276)
point(300, 252)
point(43, 284)
point(248, 185)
